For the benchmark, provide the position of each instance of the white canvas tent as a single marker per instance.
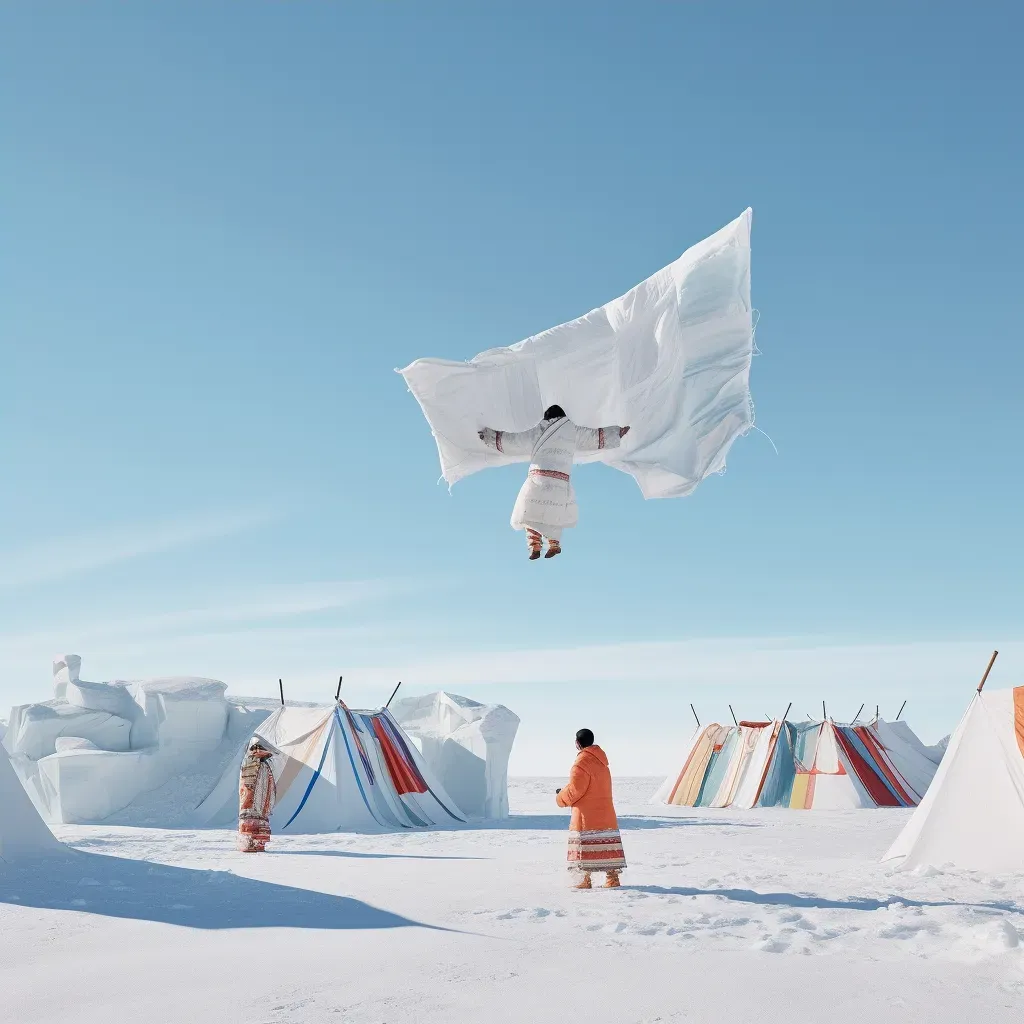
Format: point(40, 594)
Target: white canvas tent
point(973, 814)
point(338, 769)
point(23, 834)
point(467, 746)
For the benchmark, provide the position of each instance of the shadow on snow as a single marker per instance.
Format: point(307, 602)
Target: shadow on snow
point(789, 899)
point(91, 883)
point(627, 823)
point(364, 856)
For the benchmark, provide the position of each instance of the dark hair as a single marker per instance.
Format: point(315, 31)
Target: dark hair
point(554, 412)
point(585, 738)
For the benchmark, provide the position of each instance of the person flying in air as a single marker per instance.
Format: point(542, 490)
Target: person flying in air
point(546, 504)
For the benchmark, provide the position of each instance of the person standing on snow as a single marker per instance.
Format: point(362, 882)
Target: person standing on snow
point(594, 840)
point(546, 504)
point(257, 794)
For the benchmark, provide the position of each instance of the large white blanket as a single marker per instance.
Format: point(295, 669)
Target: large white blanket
point(670, 359)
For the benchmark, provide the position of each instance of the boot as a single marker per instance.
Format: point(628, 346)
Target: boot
point(612, 880)
point(554, 548)
point(585, 884)
point(533, 543)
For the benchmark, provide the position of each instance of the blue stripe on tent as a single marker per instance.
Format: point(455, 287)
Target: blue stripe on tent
point(360, 746)
point(355, 771)
point(778, 784)
point(312, 781)
point(712, 760)
point(392, 728)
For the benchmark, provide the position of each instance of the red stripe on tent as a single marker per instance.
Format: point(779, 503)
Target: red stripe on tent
point(405, 777)
point(1018, 716)
point(867, 737)
point(877, 789)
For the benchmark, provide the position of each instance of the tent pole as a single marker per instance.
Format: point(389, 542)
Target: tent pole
point(824, 713)
point(337, 692)
point(991, 662)
point(788, 706)
point(392, 697)
point(876, 712)
point(694, 710)
point(733, 713)
point(900, 712)
point(856, 716)
point(280, 686)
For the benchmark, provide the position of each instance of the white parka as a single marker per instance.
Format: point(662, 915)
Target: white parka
point(546, 502)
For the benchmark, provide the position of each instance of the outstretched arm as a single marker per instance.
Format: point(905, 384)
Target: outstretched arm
point(594, 439)
point(510, 442)
point(578, 784)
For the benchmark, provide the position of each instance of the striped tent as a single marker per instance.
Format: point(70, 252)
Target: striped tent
point(819, 765)
point(973, 815)
point(338, 769)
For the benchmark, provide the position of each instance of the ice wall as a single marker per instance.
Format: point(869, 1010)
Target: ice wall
point(100, 749)
point(466, 745)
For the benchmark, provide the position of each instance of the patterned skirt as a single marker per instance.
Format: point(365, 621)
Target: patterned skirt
point(253, 833)
point(596, 850)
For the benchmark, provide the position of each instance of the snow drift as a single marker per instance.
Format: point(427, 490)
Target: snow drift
point(22, 832)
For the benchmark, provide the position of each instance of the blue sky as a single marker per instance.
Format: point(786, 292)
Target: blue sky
point(225, 226)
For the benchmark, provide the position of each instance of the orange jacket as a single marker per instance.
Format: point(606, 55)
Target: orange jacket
point(589, 793)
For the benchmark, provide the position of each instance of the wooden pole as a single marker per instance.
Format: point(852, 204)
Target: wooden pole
point(280, 686)
point(856, 716)
point(900, 712)
point(337, 692)
point(694, 710)
point(991, 662)
point(733, 713)
point(393, 692)
point(788, 706)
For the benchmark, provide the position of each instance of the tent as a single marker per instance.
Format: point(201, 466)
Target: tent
point(23, 834)
point(467, 746)
point(973, 815)
point(670, 358)
point(804, 765)
point(338, 769)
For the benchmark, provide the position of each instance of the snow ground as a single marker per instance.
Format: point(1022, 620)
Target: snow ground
point(761, 915)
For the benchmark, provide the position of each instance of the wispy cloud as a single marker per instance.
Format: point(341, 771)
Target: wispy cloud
point(797, 662)
point(263, 609)
point(60, 557)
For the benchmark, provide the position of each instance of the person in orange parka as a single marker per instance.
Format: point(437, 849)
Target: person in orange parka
point(594, 840)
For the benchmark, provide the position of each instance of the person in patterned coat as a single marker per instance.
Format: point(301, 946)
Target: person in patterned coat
point(594, 840)
point(547, 503)
point(257, 793)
